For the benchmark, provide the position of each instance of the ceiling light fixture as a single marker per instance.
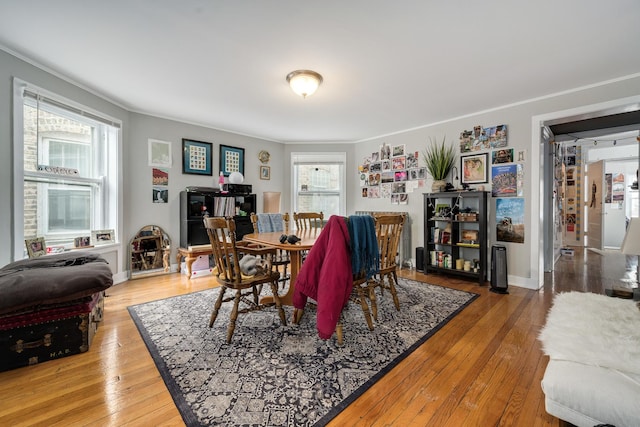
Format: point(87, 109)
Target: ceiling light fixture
point(304, 82)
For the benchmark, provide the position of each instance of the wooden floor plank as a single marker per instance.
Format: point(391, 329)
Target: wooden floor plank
point(483, 368)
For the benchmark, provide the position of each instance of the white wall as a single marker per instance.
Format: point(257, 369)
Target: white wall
point(139, 209)
point(137, 128)
point(523, 267)
point(615, 214)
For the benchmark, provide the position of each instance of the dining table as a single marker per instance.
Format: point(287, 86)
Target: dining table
point(272, 240)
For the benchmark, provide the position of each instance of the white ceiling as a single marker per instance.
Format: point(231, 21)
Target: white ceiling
point(388, 66)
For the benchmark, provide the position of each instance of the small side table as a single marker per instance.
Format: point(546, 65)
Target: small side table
point(190, 254)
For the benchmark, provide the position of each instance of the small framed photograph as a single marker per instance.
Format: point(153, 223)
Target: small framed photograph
point(265, 172)
point(469, 236)
point(231, 160)
point(82, 242)
point(102, 237)
point(196, 157)
point(36, 247)
point(474, 168)
point(159, 153)
point(398, 150)
point(504, 155)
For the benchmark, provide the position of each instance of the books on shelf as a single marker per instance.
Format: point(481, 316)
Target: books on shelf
point(441, 235)
point(224, 206)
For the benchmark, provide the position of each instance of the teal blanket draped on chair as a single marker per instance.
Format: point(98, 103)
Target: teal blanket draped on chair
point(365, 256)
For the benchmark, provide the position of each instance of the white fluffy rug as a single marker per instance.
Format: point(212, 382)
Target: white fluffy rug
point(593, 329)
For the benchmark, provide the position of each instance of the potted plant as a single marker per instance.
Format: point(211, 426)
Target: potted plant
point(439, 159)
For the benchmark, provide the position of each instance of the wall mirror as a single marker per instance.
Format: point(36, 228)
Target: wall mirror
point(149, 252)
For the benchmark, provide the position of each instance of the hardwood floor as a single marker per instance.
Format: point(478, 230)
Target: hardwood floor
point(483, 368)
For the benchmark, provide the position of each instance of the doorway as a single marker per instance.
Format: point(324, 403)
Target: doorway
point(606, 118)
point(587, 128)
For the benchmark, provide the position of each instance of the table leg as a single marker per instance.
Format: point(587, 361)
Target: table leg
point(179, 259)
point(287, 298)
point(165, 260)
point(188, 261)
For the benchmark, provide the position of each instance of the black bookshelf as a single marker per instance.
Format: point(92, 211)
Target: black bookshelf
point(194, 205)
point(455, 227)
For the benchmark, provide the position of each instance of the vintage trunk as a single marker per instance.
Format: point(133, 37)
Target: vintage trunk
point(37, 336)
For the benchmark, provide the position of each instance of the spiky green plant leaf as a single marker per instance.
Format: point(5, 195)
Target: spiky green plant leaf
point(439, 159)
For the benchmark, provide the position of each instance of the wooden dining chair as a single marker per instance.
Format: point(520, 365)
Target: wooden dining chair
point(388, 232)
point(308, 220)
point(281, 258)
point(332, 296)
point(227, 254)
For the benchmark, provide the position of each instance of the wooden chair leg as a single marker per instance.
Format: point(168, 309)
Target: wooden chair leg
point(371, 287)
point(234, 315)
point(381, 282)
point(339, 332)
point(392, 290)
point(217, 305)
point(365, 308)
point(284, 275)
point(256, 290)
point(276, 299)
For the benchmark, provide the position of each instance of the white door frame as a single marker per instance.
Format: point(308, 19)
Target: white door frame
point(538, 203)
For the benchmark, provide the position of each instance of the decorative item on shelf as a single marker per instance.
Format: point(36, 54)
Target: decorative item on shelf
point(443, 211)
point(36, 247)
point(82, 242)
point(469, 236)
point(467, 216)
point(236, 178)
point(456, 179)
point(102, 237)
point(221, 181)
point(439, 159)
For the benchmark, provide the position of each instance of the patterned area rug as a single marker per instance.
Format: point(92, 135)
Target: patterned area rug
point(274, 375)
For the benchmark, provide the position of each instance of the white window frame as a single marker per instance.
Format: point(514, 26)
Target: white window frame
point(109, 183)
point(310, 158)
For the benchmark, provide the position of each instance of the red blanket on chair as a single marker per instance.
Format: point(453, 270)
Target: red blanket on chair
point(326, 275)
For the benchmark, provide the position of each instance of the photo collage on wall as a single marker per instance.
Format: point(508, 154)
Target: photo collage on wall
point(568, 170)
point(391, 173)
point(479, 145)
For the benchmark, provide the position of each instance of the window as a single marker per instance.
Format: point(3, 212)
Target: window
point(319, 183)
point(66, 162)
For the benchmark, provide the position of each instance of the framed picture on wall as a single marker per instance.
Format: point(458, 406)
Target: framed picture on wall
point(196, 157)
point(231, 160)
point(159, 153)
point(474, 168)
point(265, 172)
